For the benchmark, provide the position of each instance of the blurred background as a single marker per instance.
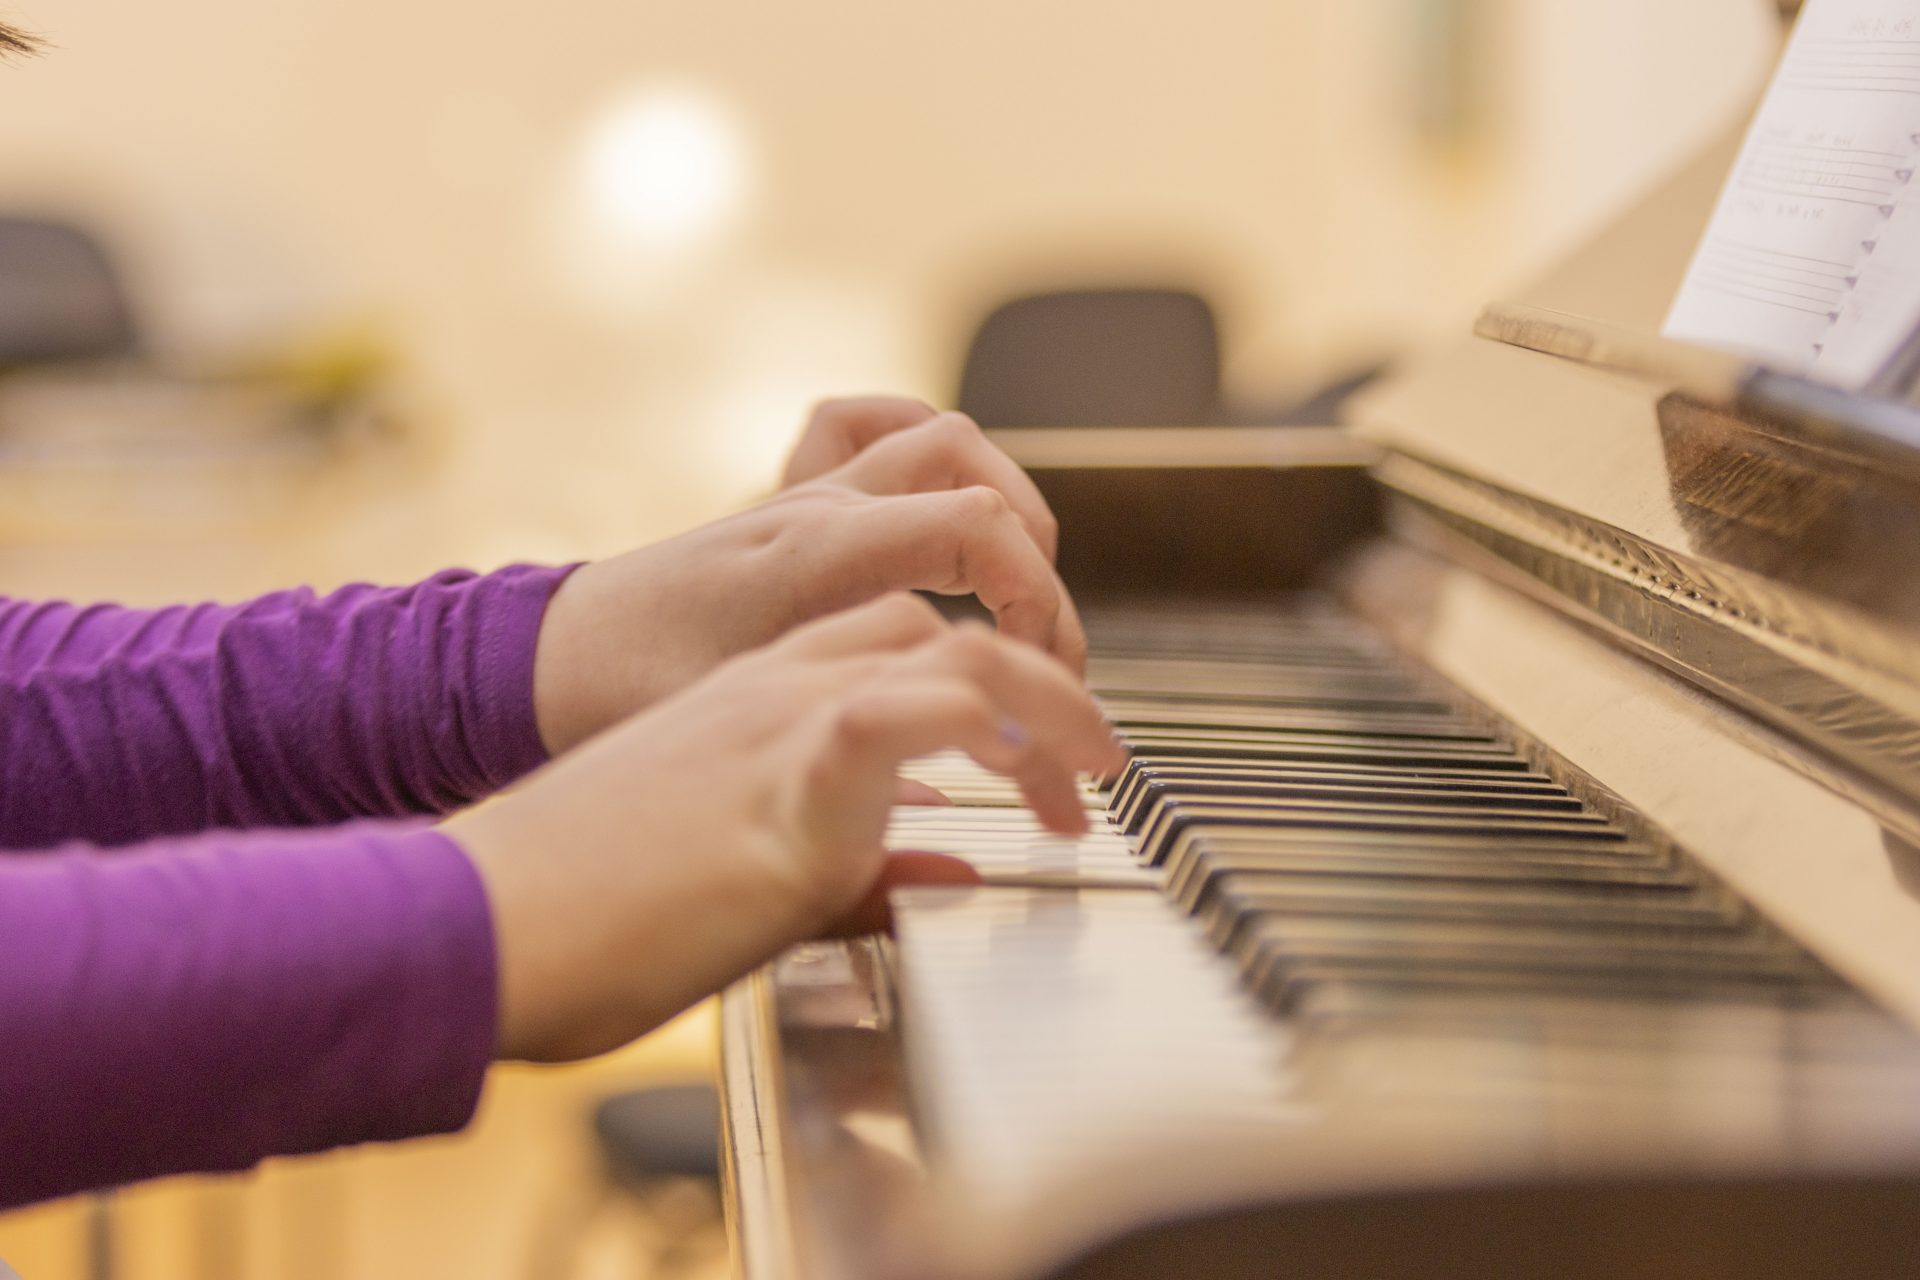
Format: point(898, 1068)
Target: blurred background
point(323, 290)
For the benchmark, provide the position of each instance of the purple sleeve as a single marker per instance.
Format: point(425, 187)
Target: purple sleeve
point(197, 1005)
point(291, 710)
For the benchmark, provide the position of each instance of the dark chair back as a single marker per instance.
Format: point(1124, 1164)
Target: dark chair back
point(60, 296)
point(1095, 357)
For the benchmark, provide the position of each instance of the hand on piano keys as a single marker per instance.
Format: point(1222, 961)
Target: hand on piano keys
point(674, 854)
point(911, 500)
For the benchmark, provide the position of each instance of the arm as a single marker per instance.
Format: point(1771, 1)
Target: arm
point(290, 710)
point(199, 1005)
point(674, 853)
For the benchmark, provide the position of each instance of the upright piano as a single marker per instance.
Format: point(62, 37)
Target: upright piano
point(1518, 872)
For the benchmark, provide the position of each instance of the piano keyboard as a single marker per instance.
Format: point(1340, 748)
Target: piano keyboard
point(1319, 855)
point(1343, 831)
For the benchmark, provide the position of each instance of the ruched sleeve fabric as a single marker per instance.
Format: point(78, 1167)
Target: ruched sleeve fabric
point(197, 1005)
point(295, 709)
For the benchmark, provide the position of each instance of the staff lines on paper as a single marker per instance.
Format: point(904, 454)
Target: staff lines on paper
point(1880, 170)
point(1851, 53)
point(1789, 171)
point(1714, 286)
point(1874, 168)
point(1827, 299)
point(1809, 195)
point(1782, 253)
point(1740, 266)
point(1856, 78)
point(1849, 66)
point(1710, 272)
point(1845, 87)
point(1877, 168)
point(1785, 143)
point(1840, 270)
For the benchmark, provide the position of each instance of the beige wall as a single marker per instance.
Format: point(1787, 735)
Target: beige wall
point(412, 164)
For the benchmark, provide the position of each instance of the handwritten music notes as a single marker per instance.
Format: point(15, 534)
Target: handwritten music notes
point(1811, 262)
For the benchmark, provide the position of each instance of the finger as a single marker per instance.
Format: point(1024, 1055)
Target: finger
point(1052, 791)
point(900, 871)
point(949, 451)
point(838, 429)
point(888, 720)
point(893, 622)
point(914, 791)
point(965, 540)
point(1038, 697)
point(900, 715)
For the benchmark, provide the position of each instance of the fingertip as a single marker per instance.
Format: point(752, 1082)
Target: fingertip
point(913, 791)
point(1067, 821)
point(872, 914)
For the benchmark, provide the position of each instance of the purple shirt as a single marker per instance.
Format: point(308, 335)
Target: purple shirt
point(203, 1001)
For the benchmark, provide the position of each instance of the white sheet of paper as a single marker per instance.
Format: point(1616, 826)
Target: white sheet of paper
point(1811, 262)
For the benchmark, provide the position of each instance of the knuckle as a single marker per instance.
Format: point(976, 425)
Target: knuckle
point(982, 502)
point(973, 646)
point(912, 610)
point(956, 430)
point(859, 721)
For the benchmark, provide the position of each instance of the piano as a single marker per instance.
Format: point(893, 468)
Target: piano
point(1518, 872)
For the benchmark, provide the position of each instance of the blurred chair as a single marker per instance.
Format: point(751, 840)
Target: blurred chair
point(659, 1150)
point(1095, 357)
point(61, 298)
point(668, 1131)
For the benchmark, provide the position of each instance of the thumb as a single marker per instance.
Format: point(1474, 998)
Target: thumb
point(902, 870)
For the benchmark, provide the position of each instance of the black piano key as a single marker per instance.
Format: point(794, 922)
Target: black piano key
point(1285, 957)
point(1333, 1005)
point(1191, 857)
point(1310, 695)
point(1322, 750)
point(1197, 851)
point(1350, 833)
point(1130, 808)
point(1382, 728)
point(1145, 775)
point(1398, 737)
point(1164, 790)
point(1157, 840)
point(1242, 905)
point(1189, 879)
point(1285, 990)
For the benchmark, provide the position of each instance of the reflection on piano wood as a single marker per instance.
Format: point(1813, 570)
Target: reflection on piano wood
point(1523, 884)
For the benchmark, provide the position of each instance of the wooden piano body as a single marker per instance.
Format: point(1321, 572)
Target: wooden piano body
point(1705, 625)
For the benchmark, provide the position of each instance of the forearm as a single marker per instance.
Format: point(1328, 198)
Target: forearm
point(290, 710)
point(556, 859)
point(199, 1005)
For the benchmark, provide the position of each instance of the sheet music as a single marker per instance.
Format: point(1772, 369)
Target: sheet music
point(1811, 262)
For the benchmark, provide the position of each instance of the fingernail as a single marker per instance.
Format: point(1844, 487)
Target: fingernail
point(1012, 734)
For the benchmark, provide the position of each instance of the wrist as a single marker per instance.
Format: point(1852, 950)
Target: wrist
point(599, 934)
point(568, 669)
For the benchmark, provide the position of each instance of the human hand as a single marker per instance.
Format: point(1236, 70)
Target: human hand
point(838, 429)
point(747, 813)
point(918, 503)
